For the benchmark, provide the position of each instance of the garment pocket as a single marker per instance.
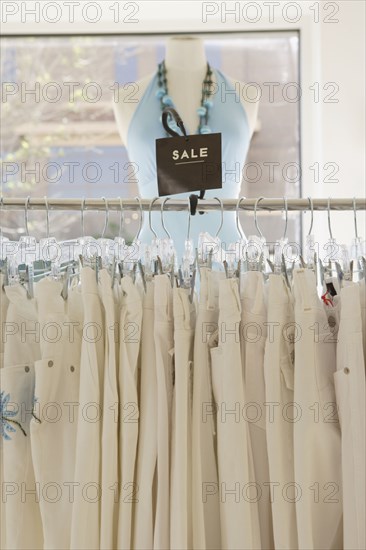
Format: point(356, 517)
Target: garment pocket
point(341, 383)
point(170, 376)
point(216, 360)
point(325, 367)
point(190, 384)
point(288, 372)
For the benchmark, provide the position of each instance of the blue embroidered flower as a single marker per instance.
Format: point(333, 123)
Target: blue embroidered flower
point(7, 417)
point(35, 401)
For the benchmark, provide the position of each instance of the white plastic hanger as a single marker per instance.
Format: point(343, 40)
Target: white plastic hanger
point(209, 248)
point(256, 252)
point(167, 253)
point(310, 240)
point(187, 271)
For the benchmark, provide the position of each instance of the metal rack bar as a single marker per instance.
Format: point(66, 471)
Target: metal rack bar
point(179, 204)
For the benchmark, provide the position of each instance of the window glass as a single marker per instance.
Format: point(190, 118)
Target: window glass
point(59, 137)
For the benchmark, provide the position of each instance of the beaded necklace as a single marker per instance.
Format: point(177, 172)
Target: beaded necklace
point(206, 103)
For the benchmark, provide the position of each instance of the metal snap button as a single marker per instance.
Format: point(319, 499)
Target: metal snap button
point(346, 370)
point(50, 363)
point(27, 369)
point(72, 368)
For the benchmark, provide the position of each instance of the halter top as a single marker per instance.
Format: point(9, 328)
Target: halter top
point(228, 117)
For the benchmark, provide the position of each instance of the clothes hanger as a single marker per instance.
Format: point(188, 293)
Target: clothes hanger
point(50, 251)
point(119, 241)
point(137, 237)
point(310, 254)
point(279, 259)
point(46, 262)
point(136, 245)
point(357, 248)
point(233, 254)
point(132, 252)
point(150, 252)
point(168, 254)
point(88, 247)
point(209, 248)
point(49, 256)
point(330, 283)
point(256, 249)
point(279, 265)
point(186, 276)
point(107, 246)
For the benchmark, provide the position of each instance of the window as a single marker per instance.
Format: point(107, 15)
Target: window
point(60, 139)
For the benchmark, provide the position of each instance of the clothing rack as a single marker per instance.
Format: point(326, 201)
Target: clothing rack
point(167, 203)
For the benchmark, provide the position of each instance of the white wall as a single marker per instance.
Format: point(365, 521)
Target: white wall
point(343, 123)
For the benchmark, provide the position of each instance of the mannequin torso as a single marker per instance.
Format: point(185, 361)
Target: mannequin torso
point(186, 66)
point(231, 115)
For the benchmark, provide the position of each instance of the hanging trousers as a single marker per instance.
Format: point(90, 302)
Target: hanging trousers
point(350, 391)
point(20, 495)
point(279, 385)
point(130, 324)
point(205, 493)
point(317, 438)
point(238, 507)
point(86, 506)
point(181, 449)
point(253, 339)
point(109, 448)
point(164, 350)
point(53, 428)
point(3, 310)
point(144, 512)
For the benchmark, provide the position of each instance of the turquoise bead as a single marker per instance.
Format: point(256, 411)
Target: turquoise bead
point(167, 100)
point(205, 129)
point(160, 92)
point(208, 103)
point(201, 111)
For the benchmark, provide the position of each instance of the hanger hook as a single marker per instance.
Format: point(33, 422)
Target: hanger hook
point(255, 217)
point(329, 225)
point(121, 218)
point(312, 215)
point(189, 219)
point(141, 219)
point(82, 217)
point(222, 216)
point(150, 225)
point(48, 217)
point(26, 215)
point(238, 224)
point(162, 216)
point(355, 217)
point(286, 219)
point(106, 217)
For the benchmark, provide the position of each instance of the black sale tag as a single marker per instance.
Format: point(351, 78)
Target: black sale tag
point(186, 164)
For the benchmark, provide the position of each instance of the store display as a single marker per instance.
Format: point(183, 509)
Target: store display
point(151, 412)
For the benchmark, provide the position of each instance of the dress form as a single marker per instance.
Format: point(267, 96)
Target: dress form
point(186, 66)
point(232, 115)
